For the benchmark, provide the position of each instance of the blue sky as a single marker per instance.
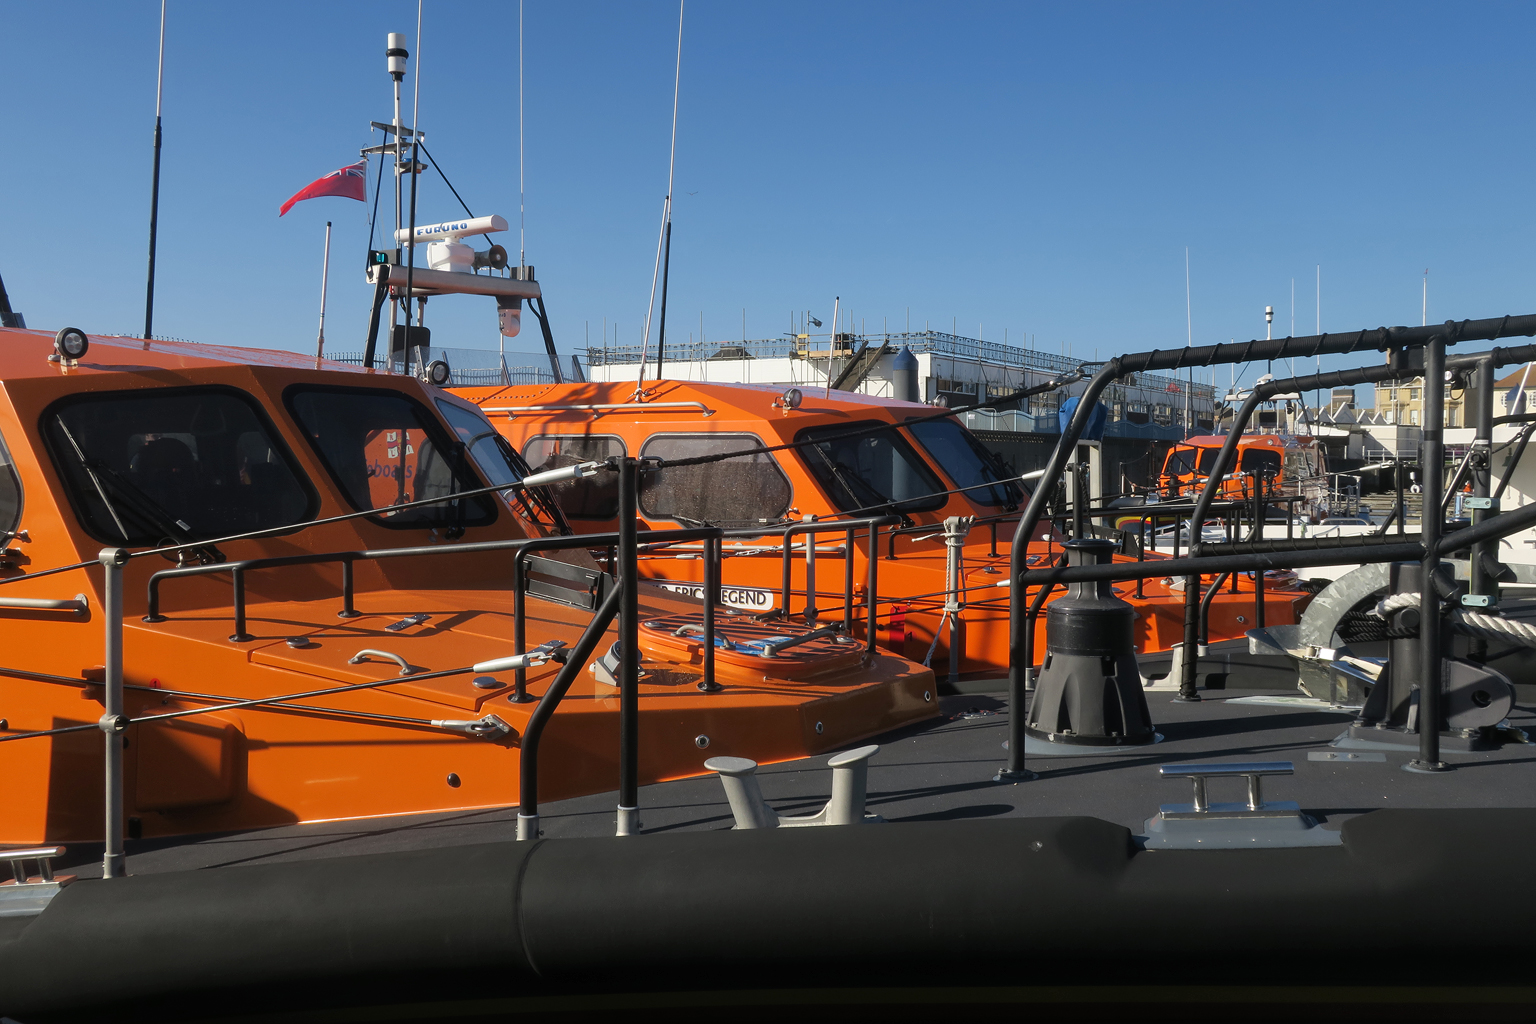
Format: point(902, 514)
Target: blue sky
point(1034, 168)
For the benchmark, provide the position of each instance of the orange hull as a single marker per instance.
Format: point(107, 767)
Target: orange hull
point(367, 752)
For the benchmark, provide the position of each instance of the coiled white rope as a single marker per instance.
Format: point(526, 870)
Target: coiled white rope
point(1395, 603)
point(1493, 627)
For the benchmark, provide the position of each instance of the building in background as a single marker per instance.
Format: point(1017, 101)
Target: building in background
point(952, 370)
point(1401, 403)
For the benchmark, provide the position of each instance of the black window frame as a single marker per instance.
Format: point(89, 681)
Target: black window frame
point(835, 489)
point(9, 533)
point(757, 442)
point(263, 418)
point(553, 488)
point(1013, 493)
point(433, 422)
point(533, 503)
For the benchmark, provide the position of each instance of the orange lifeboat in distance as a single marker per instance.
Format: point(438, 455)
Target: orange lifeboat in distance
point(925, 472)
point(1290, 466)
point(331, 667)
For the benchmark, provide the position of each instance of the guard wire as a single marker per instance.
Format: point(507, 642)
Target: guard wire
point(1051, 385)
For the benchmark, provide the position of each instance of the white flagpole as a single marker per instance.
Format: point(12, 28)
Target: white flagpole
point(325, 271)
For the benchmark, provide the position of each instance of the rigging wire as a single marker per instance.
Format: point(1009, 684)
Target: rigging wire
point(522, 189)
point(666, 206)
point(378, 184)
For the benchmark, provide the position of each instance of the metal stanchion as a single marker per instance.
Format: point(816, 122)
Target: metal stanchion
point(810, 575)
point(956, 528)
point(712, 554)
point(1432, 462)
point(113, 721)
point(629, 662)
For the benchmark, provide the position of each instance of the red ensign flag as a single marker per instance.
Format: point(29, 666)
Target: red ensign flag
point(350, 182)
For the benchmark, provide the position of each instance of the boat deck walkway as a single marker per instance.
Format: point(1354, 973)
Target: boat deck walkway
point(943, 770)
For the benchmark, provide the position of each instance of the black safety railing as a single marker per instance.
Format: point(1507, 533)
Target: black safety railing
point(785, 534)
point(1398, 342)
point(521, 549)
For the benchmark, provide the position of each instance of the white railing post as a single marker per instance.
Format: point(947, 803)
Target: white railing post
point(956, 528)
point(113, 722)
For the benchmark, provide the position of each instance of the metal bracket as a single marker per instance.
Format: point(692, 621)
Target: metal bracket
point(1476, 600)
point(606, 666)
point(534, 658)
point(1488, 503)
point(25, 894)
point(489, 726)
point(1253, 824)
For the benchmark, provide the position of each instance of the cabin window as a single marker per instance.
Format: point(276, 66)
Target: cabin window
point(174, 464)
point(499, 462)
point(967, 462)
point(732, 492)
point(384, 448)
point(1298, 465)
point(1188, 459)
point(593, 497)
point(874, 472)
point(1257, 460)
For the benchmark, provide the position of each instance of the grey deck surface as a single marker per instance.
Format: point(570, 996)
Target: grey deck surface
point(942, 770)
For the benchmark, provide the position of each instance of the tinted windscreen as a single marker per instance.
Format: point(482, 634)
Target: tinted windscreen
point(183, 464)
point(592, 497)
point(1258, 460)
point(1182, 461)
point(385, 449)
point(968, 463)
point(731, 492)
point(497, 461)
point(872, 471)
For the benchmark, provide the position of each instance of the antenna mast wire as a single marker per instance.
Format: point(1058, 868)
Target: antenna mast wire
point(663, 242)
point(522, 184)
point(416, 98)
point(154, 189)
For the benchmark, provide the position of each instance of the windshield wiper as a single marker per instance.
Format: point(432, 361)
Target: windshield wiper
point(135, 501)
point(882, 500)
point(101, 491)
point(155, 514)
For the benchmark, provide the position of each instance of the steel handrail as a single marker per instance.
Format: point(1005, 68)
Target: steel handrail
point(847, 527)
point(79, 604)
point(575, 660)
point(347, 558)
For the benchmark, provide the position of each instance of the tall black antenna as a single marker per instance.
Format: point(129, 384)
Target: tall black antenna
point(664, 241)
point(8, 316)
point(666, 264)
point(154, 189)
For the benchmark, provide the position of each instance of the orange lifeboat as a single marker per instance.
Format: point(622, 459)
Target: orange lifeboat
point(906, 462)
point(318, 616)
point(1289, 466)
